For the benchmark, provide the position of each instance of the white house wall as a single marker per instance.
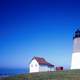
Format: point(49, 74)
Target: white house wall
point(43, 68)
point(51, 68)
point(34, 66)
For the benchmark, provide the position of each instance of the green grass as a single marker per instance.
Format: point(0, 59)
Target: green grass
point(57, 75)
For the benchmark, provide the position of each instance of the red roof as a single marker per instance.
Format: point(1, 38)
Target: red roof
point(42, 61)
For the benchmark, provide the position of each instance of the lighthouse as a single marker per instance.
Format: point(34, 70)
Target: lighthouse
point(75, 63)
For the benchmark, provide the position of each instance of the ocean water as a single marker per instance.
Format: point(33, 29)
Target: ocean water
point(9, 72)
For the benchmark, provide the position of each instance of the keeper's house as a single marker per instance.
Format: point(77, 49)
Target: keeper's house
point(39, 64)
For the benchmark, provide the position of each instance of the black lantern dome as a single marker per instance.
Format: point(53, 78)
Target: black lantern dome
point(77, 34)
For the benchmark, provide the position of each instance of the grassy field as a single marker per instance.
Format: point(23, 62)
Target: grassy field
point(57, 75)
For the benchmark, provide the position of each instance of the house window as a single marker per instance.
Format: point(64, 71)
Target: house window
point(36, 65)
point(31, 65)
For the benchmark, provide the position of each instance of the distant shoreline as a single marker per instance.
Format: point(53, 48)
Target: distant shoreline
point(4, 76)
point(12, 72)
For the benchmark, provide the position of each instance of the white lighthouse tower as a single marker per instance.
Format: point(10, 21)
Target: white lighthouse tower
point(75, 63)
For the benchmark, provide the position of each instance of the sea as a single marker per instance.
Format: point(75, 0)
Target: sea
point(12, 72)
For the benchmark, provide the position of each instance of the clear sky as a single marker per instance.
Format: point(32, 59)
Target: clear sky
point(42, 28)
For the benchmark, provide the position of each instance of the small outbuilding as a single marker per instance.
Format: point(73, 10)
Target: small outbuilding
point(38, 64)
point(60, 68)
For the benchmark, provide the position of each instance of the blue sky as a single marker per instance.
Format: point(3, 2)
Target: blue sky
point(42, 28)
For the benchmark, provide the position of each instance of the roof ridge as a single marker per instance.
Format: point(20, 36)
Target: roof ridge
point(42, 61)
